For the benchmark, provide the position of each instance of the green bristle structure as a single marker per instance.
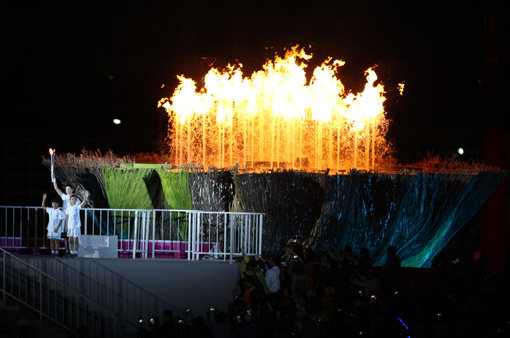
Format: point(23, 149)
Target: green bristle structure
point(177, 194)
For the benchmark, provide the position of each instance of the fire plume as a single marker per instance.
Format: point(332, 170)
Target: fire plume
point(275, 118)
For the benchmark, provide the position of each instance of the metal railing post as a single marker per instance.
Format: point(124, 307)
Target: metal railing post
point(261, 220)
point(193, 234)
point(231, 240)
point(224, 239)
point(136, 234)
point(147, 223)
point(154, 232)
point(199, 235)
point(84, 212)
point(190, 214)
point(247, 219)
point(142, 237)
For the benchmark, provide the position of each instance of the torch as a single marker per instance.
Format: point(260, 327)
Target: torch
point(52, 156)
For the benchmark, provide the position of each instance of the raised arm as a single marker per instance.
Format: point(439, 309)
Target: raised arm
point(59, 192)
point(86, 195)
point(43, 204)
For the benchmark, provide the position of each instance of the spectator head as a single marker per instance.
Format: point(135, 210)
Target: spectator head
point(332, 253)
point(298, 250)
point(246, 282)
point(309, 254)
point(328, 291)
point(300, 300)
point(168, 315)
point(392, 251)
point(253, 264)
point(371, 273)
point(187, 316)
point(197, 322)
point(285, 293)
point(274, 260)
point(298, 267)
point(220, 317)
point(364, 253)
point(306, 321)
point(348, 250)
point(484, 262)
point(289, 252)
point(476, 255)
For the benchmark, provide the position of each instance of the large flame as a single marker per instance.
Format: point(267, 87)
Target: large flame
point(277, 119)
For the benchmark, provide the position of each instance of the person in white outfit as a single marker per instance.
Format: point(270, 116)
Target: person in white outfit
point(273, 275)
point(55, 227)
point(69, 190)
point(73, 223)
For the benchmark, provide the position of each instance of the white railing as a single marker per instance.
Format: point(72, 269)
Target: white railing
point(191, 234)
point(130, 225)
point(20, 227)
point(54, 300)
point(169, 233)
point(224, 234)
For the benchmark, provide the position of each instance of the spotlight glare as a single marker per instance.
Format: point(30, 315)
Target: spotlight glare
point(460, 151)
point(116, 121)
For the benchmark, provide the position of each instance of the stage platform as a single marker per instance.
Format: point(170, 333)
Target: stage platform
point(145, 287)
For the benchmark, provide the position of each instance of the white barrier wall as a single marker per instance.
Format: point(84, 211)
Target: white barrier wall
point(146, 287)
point(98, 246)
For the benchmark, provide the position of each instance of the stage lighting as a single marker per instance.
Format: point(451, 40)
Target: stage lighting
point(117, 121)
point(460, 151)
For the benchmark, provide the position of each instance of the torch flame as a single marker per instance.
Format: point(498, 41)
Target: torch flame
point(275, 118)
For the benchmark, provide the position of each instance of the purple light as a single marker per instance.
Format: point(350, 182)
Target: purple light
point(401, 321)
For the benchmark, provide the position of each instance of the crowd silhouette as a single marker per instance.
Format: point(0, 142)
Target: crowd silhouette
point(343, 295)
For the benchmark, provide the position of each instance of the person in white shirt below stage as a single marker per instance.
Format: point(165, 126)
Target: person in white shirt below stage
point(55, 223)
point(273, 275)
point(65, 204)
point(73, 222)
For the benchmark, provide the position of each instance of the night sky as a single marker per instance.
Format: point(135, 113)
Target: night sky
point(71, 67)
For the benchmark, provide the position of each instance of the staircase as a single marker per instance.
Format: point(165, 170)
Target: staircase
point(105, 287)
point(48, 307)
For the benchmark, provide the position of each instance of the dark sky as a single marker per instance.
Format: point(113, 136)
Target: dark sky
point(72, 66)
point(82, 63)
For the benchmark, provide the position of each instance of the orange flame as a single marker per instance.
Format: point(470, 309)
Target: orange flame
point(400, 87)
point(277, 119)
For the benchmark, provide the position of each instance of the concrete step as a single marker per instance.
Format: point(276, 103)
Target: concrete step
point(26, 321)
point(8, 306)
point(46, 328)
point(46, 331)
